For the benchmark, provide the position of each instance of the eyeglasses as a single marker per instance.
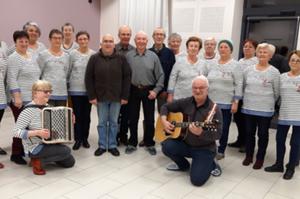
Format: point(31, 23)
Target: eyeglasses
point(297, 61)
point(200, 88)
point(56, 38)
point(159, 34)
point(108, 41)
point(45, 91)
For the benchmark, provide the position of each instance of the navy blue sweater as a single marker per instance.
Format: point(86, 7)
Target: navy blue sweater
point(167, 60)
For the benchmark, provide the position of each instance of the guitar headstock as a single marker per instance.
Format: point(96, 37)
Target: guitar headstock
point(209, 125)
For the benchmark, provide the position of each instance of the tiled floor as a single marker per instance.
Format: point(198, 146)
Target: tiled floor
point(138, 176)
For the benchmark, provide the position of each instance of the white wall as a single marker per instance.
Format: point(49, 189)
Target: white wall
point(230, 12)
point(109, 18)
point(221, 19)
point(237, 26)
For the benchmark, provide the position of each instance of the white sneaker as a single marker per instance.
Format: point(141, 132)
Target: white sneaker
point(173, 167)
point(217, 171)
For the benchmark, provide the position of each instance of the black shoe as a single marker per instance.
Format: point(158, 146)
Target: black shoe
point(289, 173)
point(151, 150)
point(18, 159)
point(2, 152)
point(242, 149)
point(275, 168)
point(77, 145)
point(234, 144)
point(142, 143)
point(86, 144)
point(114, 151)
point(99, 152)
point(130, 149)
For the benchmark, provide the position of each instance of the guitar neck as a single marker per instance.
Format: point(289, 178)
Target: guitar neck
point(186, 124)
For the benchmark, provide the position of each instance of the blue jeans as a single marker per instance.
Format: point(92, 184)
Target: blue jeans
point(226, 113)
point(282, 131)
point(58, 153)
point(108, 113)
point(202, 159)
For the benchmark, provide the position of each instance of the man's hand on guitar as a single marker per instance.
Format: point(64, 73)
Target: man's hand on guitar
point(195, 130)
point(168, 127)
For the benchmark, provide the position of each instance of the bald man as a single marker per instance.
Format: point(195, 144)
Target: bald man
point(107, 81)
point(146, 82)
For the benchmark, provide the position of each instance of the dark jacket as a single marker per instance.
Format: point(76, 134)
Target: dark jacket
point(167, 61)
point(188, 107)
point(108, 78)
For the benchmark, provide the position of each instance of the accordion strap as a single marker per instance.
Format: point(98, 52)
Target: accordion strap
point(34, 106)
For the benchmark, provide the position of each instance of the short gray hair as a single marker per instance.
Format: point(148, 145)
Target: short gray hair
point(31, 23)
point(201, 77)
point(210, 39)
point(270, 47)
point(175, 36)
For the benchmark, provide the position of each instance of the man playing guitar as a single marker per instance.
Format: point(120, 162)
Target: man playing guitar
point(199, 143)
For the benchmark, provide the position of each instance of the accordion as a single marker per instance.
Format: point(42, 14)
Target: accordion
point(58, 120)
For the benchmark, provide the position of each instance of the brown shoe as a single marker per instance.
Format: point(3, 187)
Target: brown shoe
point(248, 160)
point(258, 164)
point(37, 167)
point(1, 166)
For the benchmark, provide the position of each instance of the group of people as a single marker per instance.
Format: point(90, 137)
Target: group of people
point(119, 77)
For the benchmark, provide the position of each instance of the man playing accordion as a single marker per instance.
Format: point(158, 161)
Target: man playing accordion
point(29, 128)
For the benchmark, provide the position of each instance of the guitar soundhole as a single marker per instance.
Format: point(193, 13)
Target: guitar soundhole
point(168, 134)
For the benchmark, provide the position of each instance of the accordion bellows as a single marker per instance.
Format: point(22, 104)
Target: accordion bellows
point(58, 120)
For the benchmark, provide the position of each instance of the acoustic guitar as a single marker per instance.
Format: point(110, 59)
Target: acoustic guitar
point(177, 120)
point(180, 127)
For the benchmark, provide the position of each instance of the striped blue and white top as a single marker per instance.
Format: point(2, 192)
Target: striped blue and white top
point(34, 52)
point(245, 63)
point(21, 74)
point(180, 82)
point(225, 82)
point(29, 119)
point(261, 90)
point(69, 50)
point(289, 113)
point(78, 63)
point(3, 68)
point(55, 69)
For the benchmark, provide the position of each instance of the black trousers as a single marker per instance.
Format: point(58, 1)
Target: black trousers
point(261, 124)
point(239, 119)
point(123, 122)
point(82, 112)
point(1, 114)
point(138, 95)
point(17, 148)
